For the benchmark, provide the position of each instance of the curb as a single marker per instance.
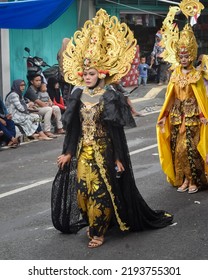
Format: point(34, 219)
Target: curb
point(150, 94)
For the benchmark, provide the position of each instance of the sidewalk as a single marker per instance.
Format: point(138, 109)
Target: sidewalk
point(147, 98)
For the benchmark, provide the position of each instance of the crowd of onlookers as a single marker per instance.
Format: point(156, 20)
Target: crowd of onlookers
point(36, 112)
point(32, 113)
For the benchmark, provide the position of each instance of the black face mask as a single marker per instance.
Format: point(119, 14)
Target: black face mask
point(97, 83)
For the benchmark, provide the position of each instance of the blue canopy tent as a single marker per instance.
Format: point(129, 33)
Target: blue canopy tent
point(31, 14)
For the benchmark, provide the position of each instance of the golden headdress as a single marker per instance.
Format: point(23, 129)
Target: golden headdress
point(175, 41)
point(187, 43)
point(104, 44)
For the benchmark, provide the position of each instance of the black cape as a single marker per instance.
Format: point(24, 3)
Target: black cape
point(131, 207)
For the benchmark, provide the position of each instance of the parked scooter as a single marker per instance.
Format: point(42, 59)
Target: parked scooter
point(35, 65)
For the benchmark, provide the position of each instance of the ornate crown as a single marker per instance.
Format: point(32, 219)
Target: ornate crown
point(187, 43)
point(175, 41)
point(104, 44)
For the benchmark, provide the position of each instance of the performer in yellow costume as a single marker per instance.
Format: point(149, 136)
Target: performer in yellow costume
point(100, 55)
point(182, 130)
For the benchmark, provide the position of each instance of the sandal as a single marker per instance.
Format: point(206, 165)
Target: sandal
point(44, 138)
point(193, 189)
point(136, 114)
point(50, 134)
point(60, 131)
point(12, 145)
point(184, 187)
point(96, 241)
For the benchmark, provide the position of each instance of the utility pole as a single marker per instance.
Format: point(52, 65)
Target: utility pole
point(1, 84)
point(4, 61)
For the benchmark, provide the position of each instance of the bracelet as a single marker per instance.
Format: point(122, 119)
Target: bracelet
point(201, 115)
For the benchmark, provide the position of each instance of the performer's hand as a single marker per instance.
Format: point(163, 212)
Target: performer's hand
point(206, 159)
point(161, 124)
point(119, 165)
point(2, 121)
point(63, 159)
point(204, 121)
point(9, 116)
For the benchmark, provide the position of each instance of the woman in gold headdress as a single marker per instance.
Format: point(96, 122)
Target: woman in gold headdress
point(182, 124)
point(94, 122)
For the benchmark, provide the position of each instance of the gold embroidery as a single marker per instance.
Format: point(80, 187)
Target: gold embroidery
point(85, 160)
point(91, 126)
point(100, 163)
point(94, 210)
point(88, 124)
point(95, 91)
point(93, 143)
point(185, 79)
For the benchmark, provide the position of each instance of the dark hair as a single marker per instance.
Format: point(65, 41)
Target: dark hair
point(52, 82)
point(31, 77)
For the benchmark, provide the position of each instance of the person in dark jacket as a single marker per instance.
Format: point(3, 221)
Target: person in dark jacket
point(7, 127)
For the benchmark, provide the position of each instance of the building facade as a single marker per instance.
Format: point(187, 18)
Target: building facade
point(144, 17)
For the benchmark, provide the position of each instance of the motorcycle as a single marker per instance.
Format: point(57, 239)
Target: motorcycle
point(35, 64)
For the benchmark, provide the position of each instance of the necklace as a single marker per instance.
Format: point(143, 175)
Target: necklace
point(94, 91)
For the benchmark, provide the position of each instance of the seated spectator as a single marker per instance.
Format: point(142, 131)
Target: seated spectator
point(54, 92)
point(42, 108)
point(7, 128)
point(44, 97)
point(16, 106)
point(1, 139)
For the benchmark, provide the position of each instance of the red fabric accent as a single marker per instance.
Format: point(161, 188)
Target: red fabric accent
point(201, 115)
point(166, 114)
point(61, 104)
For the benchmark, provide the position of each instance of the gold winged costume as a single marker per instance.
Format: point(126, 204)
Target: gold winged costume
point(182, 139)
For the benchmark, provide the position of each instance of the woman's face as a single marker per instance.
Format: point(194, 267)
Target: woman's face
point(56, 86)
point(90, 77)
point(22, 86)
point(184, 59)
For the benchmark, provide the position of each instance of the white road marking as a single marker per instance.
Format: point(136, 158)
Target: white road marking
point(143, 149)
point(42, 182)
point(152, 93)
point(152, 112)
point(27, 187)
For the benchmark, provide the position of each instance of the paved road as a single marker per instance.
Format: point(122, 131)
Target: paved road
point(26, 231)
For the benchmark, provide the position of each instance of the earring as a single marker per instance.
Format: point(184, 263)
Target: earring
point(101, 76)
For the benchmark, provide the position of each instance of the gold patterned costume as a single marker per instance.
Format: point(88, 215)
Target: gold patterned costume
point(94, 122)
point(187, 93)
point(182, 132)
point(94, 199)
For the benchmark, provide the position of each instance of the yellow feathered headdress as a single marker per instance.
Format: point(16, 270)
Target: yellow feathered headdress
point(104, 44)
point(175, 41)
